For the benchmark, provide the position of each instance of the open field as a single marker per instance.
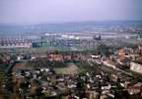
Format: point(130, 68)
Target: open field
point(70, 69)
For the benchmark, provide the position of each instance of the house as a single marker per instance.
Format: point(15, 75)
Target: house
point(136, 67)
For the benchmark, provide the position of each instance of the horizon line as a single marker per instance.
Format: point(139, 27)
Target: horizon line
point(67, 22)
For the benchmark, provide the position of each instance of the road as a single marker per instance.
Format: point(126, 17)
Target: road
point(121, 73)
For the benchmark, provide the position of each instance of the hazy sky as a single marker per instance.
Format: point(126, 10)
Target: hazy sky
point(48, 11)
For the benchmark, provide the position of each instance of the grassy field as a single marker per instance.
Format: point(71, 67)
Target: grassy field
point(73, 68)
point(70, 69)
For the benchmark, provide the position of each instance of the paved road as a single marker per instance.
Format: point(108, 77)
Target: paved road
point(123, 74)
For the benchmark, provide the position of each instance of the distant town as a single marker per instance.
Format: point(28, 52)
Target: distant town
point(95, 61)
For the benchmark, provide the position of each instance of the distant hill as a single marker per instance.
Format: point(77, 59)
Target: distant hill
point(88, 26)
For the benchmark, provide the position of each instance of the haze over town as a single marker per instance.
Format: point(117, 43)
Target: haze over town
point(70, 49)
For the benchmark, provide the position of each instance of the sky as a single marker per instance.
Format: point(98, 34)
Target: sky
point(54, 11)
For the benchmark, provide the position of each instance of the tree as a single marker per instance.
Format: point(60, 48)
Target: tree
point(1, 80)
point(103, 50)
